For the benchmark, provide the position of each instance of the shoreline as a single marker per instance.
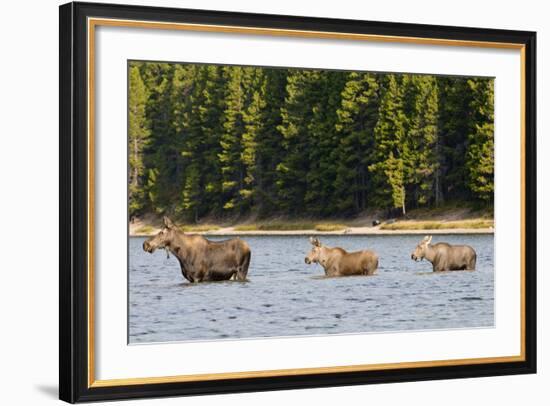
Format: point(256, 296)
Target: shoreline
point(362, 231)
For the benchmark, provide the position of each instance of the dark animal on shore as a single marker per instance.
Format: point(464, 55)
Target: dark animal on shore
point(375, 223)
point(338, 262)
point(445, 257)
point(202, 260)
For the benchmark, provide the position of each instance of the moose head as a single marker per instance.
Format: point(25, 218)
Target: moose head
point(315, 253)
point(420, 250)
point(164, 237)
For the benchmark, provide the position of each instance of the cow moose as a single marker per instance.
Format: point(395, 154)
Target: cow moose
point(338, 262)
point(201, 259)
point(445, 257)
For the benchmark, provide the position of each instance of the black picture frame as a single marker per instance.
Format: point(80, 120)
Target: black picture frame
point(74, 385)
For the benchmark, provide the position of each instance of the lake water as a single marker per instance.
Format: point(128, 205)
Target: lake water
point(286, 297)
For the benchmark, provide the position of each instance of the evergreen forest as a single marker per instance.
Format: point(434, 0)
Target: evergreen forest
point(230, 141)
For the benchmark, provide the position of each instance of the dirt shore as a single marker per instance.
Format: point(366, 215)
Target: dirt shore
point(348, 231)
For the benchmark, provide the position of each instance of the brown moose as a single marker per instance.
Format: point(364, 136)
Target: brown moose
point(445, 257)
point(200, 259)
point(338, 262)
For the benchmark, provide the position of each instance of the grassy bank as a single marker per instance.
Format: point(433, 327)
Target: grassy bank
point(438, 225)
point(197, 228)
point(290, 226)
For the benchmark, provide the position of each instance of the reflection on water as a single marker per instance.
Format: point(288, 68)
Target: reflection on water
point(286, 297)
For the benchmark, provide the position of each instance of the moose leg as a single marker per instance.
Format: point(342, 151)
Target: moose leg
point(201, 274)
point(185, 275)
point(372, 267)
point(242, 270)
point(472, 264)
point(332, 271)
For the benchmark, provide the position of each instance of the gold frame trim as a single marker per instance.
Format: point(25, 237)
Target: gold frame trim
point(94, 22)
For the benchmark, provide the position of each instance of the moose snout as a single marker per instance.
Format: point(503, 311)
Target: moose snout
point(307, 260)
point(415, 257)
point(146, 246)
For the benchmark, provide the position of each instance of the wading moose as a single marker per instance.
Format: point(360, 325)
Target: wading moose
point(445, 257)
point(200, 259)
point(338, 262)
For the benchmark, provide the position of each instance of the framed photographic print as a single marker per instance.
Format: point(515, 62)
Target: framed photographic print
point(256, 202)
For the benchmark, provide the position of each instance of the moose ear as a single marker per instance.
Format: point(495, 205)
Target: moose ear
point(168, 223)
point(428, 239)
point(315, 241)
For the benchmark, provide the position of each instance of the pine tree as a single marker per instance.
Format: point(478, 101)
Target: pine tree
point(391, 148)
point(233, 168)
point(269, 145)
point(254, 129)
point(480, 156)
point(296, 114)
point(325, 98)
point(198, 117)
point(162, 155)
point(212, 118)
point(357, 117)
point(423, 141)
point(138, 135)
point(395, 177)
point(454, 125)
point(188, 100)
